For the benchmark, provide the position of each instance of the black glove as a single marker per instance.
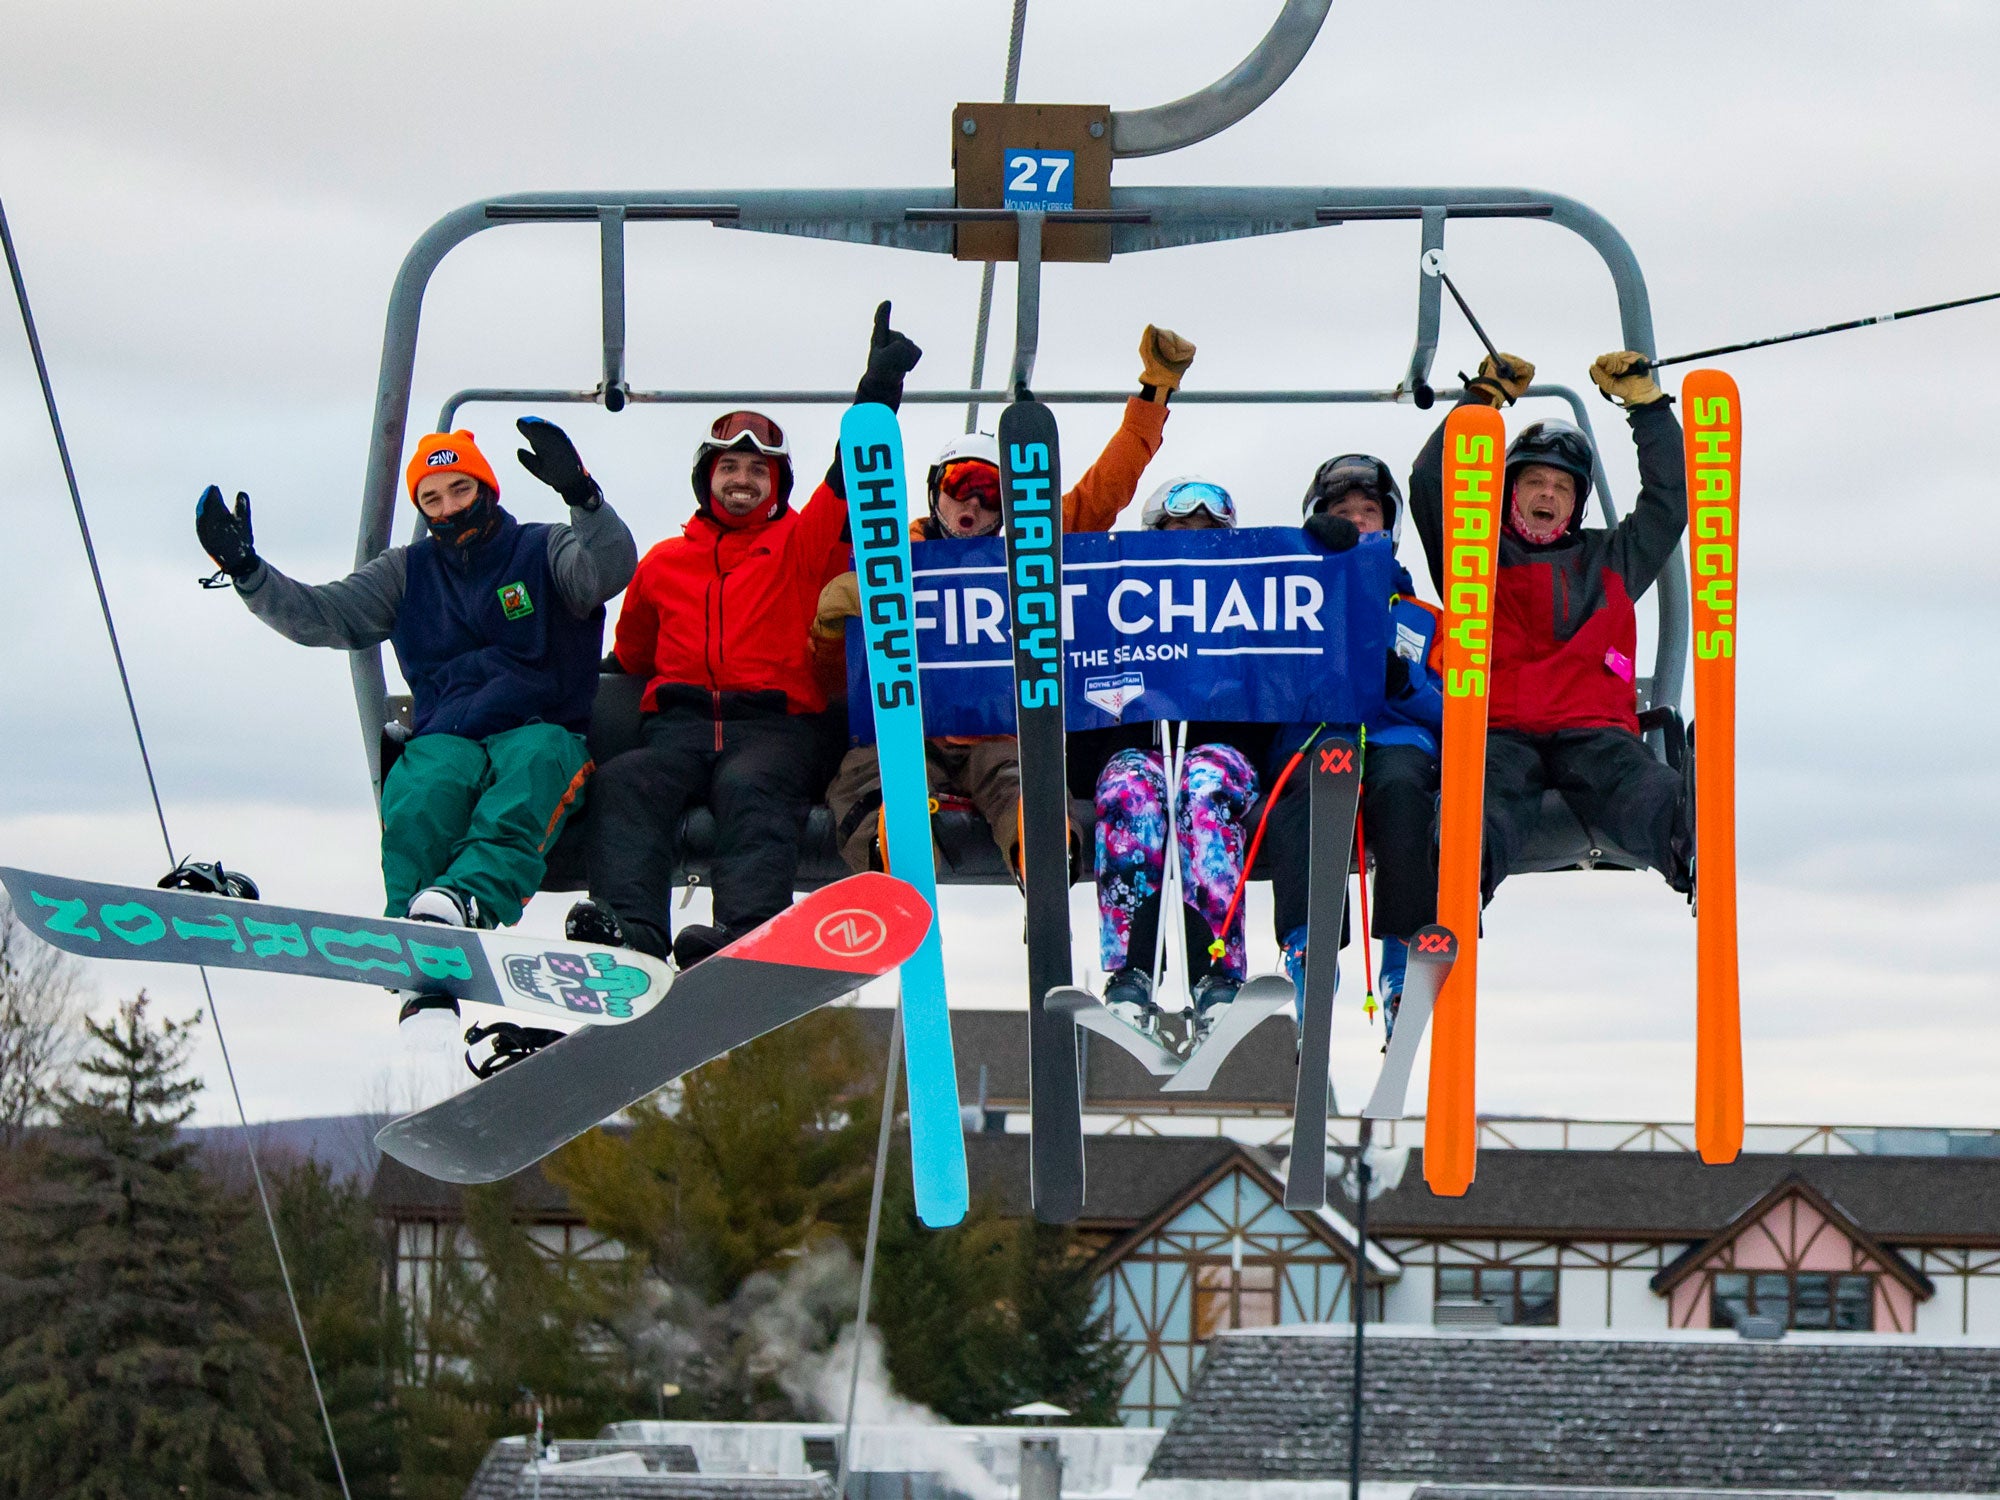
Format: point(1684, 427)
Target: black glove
point(1396, 680)
point(891, 356)
point(1335, 533)
point(555, 463)
point(225, 535)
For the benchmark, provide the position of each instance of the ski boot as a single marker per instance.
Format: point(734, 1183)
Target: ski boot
point(1389, 984)
point(693, 944)
point(192, 874)
point(1128, 995)
point(427, 1022)
point(510, 1043)
point(594, 922)
point(446, 908)
point(1213, 994)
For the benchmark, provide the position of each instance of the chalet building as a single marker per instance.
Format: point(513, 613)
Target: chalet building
point(1592, 1229)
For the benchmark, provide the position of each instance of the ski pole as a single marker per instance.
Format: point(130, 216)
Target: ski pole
point(1807, 333)
point(1368, 1006)
point(1449, 287)
point(1217, 948)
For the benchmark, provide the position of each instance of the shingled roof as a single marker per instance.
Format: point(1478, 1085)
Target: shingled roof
point(1259, 1075)
point(1667, 1196)
point(1536, 1407)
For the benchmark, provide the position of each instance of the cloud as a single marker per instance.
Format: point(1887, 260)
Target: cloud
point(211, 202)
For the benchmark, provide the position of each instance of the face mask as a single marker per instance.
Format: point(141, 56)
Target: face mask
point(473, 524)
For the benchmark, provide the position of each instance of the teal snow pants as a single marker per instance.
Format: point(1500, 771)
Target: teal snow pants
point(478, 817)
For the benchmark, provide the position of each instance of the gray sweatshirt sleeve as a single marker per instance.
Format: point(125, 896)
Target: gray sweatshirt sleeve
point(348, 614)
point(592, 558)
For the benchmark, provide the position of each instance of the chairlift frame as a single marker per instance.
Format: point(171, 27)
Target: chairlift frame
point(921, 219)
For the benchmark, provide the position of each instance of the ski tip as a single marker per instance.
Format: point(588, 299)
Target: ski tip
point(1436, 943)
point(866, 924)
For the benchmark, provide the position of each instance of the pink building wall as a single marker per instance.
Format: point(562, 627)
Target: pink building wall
point(1792, 1235)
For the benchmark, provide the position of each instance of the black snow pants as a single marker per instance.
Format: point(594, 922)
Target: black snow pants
point(1612, 783)
point(1399, 786)
point(756, 775)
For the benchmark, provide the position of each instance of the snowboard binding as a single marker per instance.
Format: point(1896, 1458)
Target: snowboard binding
point(209, 879)
point(511, 1042)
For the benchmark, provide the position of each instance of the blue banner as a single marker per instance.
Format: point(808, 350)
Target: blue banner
point(1255, 626)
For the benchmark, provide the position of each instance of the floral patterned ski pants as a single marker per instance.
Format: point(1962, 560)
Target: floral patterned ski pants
point(1218, 786)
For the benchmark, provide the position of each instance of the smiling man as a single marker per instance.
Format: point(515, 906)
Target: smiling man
point(1562, 712)
point(716, 621)
point(497, 627)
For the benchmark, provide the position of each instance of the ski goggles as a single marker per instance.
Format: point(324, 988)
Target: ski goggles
point(1552, 441)
point(734, 429)
point(1188, 498)
point(972, 480)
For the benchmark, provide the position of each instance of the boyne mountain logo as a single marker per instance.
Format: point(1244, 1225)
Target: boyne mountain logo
point(1112, 693)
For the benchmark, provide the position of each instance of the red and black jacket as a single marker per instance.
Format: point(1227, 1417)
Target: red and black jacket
point(1565, 634)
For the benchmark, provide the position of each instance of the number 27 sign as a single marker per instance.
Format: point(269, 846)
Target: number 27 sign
point(1038, 179)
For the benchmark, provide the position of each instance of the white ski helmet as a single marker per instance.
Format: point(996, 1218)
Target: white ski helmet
point(1185, 495)
point(980, 447)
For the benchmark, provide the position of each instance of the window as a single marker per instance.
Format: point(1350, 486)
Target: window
point(1797, 1299)
point(1525, 1297)
point(1226, 1298)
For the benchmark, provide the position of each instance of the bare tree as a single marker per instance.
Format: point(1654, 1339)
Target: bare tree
point(42, 993)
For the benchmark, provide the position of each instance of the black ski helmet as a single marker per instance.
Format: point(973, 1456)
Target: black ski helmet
point(1358, 471)
point(1560, 445)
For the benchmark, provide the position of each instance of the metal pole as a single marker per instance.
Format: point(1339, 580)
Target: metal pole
point(1010, 85)
point(1359, 1297)
point(874, 1235)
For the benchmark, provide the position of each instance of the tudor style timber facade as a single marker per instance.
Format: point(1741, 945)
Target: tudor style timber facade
point(1620, 1230)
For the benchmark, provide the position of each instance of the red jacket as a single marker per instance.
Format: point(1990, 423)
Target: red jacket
point(728, 610)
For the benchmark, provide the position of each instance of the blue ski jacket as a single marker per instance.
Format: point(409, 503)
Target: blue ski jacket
point(486, 641)
point(1417, 715)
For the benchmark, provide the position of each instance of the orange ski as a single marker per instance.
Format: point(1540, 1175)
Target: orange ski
point(1475, 441)
point(1714, 436)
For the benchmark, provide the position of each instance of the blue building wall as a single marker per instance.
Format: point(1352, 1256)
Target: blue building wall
point(1235, 1257)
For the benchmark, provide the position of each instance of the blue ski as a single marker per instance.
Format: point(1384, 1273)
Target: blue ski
point(871, 456)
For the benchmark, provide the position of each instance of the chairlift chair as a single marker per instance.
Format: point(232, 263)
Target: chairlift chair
point(967, 221)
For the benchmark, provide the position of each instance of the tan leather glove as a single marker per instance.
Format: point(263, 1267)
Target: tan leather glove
point(1625, 378)
point(837, 601)
point(1164, 358)
point(1504, 383)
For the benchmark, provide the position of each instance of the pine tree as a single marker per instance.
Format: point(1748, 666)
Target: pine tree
point(129, 1362)
point(1068, 1352)
point(335, 1251)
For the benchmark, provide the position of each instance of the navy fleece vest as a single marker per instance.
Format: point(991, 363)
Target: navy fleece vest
point(485, 642)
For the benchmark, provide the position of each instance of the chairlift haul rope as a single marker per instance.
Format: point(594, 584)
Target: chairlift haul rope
point(159, 812)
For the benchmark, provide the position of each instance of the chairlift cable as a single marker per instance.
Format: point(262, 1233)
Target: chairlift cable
point(160, 814)
point(1016, 28)
point(1813, 333)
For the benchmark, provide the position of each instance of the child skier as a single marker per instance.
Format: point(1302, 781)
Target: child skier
point(964, 486)
point(1562, 705)
point(1352, 497)
point(716, 620)
point(497, 626)
point(1218, 784)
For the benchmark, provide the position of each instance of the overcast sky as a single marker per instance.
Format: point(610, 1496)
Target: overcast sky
point(212, 199)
